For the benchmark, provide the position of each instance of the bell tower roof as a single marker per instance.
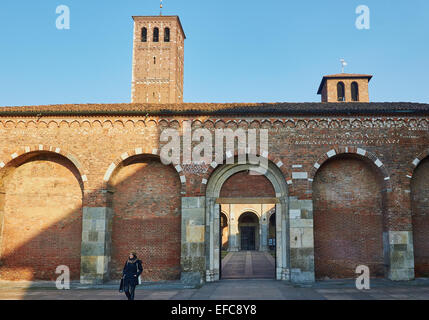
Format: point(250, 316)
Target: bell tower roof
point(161, 18)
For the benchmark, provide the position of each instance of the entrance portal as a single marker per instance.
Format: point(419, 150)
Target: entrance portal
point(223, 195)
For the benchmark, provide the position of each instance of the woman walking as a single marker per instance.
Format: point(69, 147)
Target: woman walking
point(132, 270)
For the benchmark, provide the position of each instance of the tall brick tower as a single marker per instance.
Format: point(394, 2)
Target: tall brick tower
point(158, 59)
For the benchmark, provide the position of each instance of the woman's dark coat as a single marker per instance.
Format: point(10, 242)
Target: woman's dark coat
point(132, 271)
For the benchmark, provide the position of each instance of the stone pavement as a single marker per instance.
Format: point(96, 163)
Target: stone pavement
point(248, 265)
point(238, 290)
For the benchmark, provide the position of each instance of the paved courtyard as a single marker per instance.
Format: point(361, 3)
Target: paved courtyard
point(234, 290)
point(248, 265)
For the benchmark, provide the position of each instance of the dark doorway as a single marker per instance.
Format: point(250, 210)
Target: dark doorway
point(247, 238)
point(248, 225)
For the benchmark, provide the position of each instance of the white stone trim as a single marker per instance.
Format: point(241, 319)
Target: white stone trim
point(84, 178)
point(182, 179)
point(213, 164)
point(155, 151)
point(331, 153)
point(124, 156)
point(57, 150)
point(299, 175)
point(14, 155)
point(317, 165)
point(109, 171)
point(360, 151)
point(178, 168)
point(378, 163)
point(204, 181)
point(416, 162)
point(138, 151)
point(279, 164)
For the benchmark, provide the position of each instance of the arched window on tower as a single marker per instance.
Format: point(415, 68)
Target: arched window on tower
point(167, 35)
point(341, 91)
point(156, 35)
point(355, 91)
point(144, 34)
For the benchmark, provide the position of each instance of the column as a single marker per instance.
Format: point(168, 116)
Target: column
point(193, 260)
point(263, 225)
point(96, 239)
point(398, 239)
point(301, 240)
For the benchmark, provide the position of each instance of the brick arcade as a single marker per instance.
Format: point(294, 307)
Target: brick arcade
point(82, 185)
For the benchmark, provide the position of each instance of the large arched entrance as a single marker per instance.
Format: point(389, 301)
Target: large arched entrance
point(216, 199)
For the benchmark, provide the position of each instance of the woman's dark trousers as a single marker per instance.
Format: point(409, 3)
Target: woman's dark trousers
point(129, 288)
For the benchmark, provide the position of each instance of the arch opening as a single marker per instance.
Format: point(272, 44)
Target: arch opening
point(420, 217)
point(144, 34)
point(355, 91)
point(223, 195)
point(248, 226)
point(349, 201)
point(41, 217)
point(341, 92)
point(167, 35)
point(156, 34)
point(145, 198)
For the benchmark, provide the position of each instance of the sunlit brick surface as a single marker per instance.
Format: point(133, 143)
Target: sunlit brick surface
point(42, 226)
point(146, 204)
point(348, 219)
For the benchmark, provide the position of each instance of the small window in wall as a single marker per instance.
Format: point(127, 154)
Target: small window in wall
point(355, 91)
point(167, 35)
point(154, 60)
point(144, 35)
point(156, 35)
point(341, 91)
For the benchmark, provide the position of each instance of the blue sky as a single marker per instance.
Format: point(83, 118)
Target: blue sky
point(236, 51)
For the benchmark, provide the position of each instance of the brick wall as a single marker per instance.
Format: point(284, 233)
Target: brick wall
point(146, 204)
point(420, 209)
point(245, 185)
point(94, 142)
point(42, 226)
point(348, 219)
point(332, 94)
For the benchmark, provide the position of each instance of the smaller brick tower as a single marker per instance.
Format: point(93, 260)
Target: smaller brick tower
point(345, 87)
point(158, 59)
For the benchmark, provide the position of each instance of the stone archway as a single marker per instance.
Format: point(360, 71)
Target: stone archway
point(248, 226)
point(212, 233)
